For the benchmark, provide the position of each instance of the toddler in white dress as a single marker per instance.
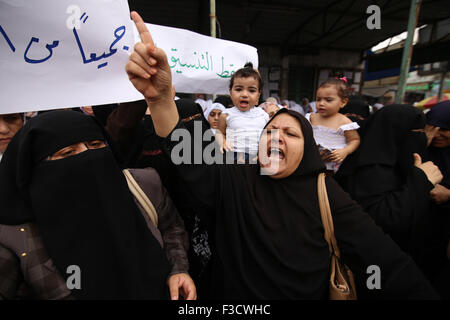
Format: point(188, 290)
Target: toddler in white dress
point(335, 134)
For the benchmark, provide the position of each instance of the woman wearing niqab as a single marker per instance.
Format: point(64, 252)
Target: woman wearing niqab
point(439, 153)
point(131, 128)
point(439, 150)
point(383, 178)
point(83, 210)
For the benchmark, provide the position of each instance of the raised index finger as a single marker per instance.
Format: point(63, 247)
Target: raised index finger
point(145, 35)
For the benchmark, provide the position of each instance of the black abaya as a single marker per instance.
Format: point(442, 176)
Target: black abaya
point(269, 235)
point(382, 178)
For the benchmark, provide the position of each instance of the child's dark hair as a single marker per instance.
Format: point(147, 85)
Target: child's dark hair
point(340, 85)
point(246, 72)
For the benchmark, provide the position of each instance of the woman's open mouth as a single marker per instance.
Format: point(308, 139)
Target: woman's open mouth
point(276, 153)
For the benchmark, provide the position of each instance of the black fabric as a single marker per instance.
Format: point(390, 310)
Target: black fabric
point(383, 179)
point(387, 139)
point(386, 131)
point(147, 152)
point(225, 101)
point(441, 158)
point(83, 208)
point(270, 243)
point(439, 116)
point(269, 235)
point(356, 110)
point(102, 112)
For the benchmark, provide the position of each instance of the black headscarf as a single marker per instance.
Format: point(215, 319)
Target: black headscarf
point(274, 229)
point(439, 116)
point(382, 178)
point(387, 139)
point(225, 101)
point(357, 110)
point(83, 208)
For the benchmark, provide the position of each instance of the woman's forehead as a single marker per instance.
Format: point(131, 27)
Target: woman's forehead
point(284, 121)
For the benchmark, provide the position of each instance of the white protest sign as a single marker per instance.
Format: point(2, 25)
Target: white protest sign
point(68, 53)
point(201, 64)
point(55, 54)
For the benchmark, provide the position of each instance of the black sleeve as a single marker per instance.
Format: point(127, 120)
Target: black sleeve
point(394, 205)
point(187, 152)
point(123, 123)
point(363, 244)
point(175, 237)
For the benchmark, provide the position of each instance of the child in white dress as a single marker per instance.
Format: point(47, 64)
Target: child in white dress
point(241, 126)
point(335, 134)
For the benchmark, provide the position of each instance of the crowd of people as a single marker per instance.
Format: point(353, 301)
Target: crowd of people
point(249, 228)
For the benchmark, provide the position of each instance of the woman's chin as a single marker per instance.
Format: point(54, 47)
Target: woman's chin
point(271, 166)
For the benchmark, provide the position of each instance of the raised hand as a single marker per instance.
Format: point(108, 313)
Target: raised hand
point(149, 72)
point(148, 69)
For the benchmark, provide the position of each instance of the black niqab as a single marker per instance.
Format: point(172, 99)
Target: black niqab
point(382, 177)
point(439, 116)
point(83, 208)
point(388, 140)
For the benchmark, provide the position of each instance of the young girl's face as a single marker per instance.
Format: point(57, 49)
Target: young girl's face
point(245, 93)
point(328, 102)
point(213, 118)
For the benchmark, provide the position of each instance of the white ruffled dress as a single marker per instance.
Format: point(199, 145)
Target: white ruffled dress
point(331, 139)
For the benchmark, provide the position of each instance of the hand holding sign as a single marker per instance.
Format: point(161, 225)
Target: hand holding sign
point(148, 69)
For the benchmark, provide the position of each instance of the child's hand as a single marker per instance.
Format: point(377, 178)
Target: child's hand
point(226, 146)
point(338, 155)
point(325, 154)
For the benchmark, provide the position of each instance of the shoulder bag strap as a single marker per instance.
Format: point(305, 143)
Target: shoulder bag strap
point(141, 197)
point(325, 213)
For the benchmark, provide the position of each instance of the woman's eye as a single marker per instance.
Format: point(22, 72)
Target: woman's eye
point(96, 144)
point(67, 152)
point(11, 118)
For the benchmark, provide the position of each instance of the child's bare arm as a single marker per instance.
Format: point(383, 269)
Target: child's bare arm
point(221, 134)
point(353, 142)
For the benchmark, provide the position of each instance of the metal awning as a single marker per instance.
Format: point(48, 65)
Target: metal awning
point(295, 26)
